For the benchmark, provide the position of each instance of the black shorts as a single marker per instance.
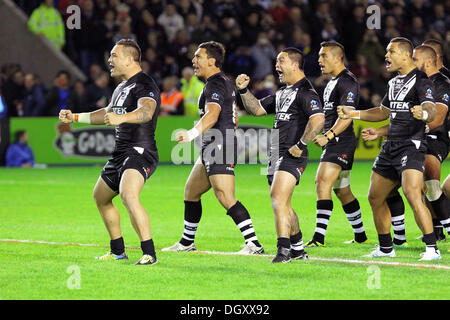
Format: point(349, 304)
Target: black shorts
point(291, 164)
point(437, 148)
point(341, 153)
point(396, 156)
point(132, 159)
point(219, 159)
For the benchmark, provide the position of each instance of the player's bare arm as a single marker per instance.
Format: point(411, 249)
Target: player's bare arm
point(312, 129)
point(370, 134)
point(208, 120)
point(439, 118)
point(143, 113)
point(373, 115)
point(339, 127)
point(425, 112)
point(251, 103)
point(95, 117)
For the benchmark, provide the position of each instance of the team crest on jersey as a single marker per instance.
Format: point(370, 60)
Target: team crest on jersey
point(151, 94)
point(429, 94)
point(314, 104)
point(215, 96)
point(445, 98)
point(350, 97)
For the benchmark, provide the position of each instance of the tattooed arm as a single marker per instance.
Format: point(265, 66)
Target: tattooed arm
point(143, 113)
point(251, 104)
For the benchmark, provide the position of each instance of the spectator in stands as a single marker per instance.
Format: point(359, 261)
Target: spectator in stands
point(58, 94)
point(19, 154)
point(191, 88)
point(372, 49)
point(34, 101)
point(264, 53)
point(417, 32)
point(46, 22)
point(97, 94)
point(74, 101)
point(124, 32)
point(241, 61)
point(171, 98)
point(14, 93)
point(171, 21)
point(265, 87)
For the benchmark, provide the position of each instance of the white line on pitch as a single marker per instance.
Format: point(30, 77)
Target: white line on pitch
point(335, 260)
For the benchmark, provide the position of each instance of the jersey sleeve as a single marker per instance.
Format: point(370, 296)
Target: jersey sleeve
point(147, 90)
point(310, 103)
point(214, 92)
point(443, 96)
point(268, 103)
point(425, 90)
point(349, 93)
point(385, 100)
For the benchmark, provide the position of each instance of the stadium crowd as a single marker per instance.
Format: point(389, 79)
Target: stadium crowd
point(252, 31)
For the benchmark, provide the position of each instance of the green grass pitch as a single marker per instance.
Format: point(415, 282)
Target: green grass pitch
point(56, 205)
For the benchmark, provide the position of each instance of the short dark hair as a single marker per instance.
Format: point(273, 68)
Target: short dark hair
point(429, 51)
point(295, 55)
point(334, 44)
point(60, 72)
point(214, 50)
point(437, 46)
point(134, 49)
point(404, 44)
point(18, 134)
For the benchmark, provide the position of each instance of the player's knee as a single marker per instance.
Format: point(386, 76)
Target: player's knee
point(343, 193)
point(412, 193)
point(433, 190)
point(374, 199)
point(225, 198)
point(129, 199)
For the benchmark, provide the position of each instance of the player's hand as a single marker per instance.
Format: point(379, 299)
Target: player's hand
point(112, 119)
point(344, 112)
point(242, 81)
point(182, 136)
point(369, 134)
point(295, 151)
point(417, 112)
point(65, 116)
point(320, 140)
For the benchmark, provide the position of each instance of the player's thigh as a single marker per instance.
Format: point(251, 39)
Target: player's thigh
point(412, 182)
point(282, 188)
point(327, 173)
point(432, 168)
point(380, 187)
point(131, 184)
point(102, 193)
point(197, 182)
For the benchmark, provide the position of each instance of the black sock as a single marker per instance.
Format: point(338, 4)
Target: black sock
point(441, 208)
point(430, 240)
point(283, 243)
point(385, 242)
point(323, 214)
point(242, 219)
point(353, 212)
point(148, 247)
point(117, 246)
point(192, 216)
point(397, 208)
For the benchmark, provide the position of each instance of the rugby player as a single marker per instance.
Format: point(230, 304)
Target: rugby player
point(133, 112)
point(298, 119)
point(215, 166)
point(339, 145)
point(409, 102)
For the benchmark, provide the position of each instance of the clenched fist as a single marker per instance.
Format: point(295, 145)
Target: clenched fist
point(344, 112)
point(242, 81)
point(65, 116)
point(112, 119)
point(182, 136)
point(417, 112)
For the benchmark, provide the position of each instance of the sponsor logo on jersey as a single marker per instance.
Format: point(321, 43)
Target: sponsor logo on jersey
point(404, 161)
point(445, 98)
point(314, 104)
point(215, 96)
point(119, 110)
point(399, 105)
point(429, 94)
point(151, 94)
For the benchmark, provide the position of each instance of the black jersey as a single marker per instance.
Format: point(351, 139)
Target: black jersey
point(403, 93)
point(442, 96)
point(220, 90)
point(124, 100)
point(293, 106)
point(340, 90)
point(445, 72)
